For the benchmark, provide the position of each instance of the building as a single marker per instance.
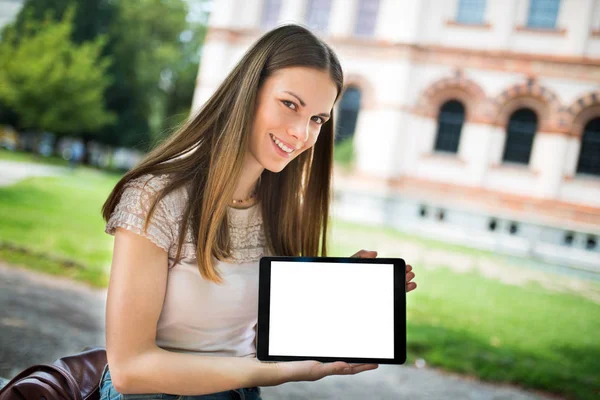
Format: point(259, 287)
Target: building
point(473, 121)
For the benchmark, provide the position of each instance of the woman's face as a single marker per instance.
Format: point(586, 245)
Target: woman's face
point(293, 104)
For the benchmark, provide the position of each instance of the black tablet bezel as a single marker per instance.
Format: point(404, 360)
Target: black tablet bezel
point(264, 302)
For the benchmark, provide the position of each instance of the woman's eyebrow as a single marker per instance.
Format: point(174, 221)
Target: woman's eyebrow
point(303, 104)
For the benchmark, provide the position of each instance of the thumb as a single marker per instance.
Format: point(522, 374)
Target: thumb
point(365, 254)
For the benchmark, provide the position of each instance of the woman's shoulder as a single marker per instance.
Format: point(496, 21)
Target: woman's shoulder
point(134, 207)
point(149, 186)
point(150, 182)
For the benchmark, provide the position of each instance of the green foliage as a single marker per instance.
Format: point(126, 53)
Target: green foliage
point(58, 218)
point(51, 83)
point(344, 152)
point(153, 70)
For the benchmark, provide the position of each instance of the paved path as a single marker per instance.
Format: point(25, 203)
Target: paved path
point(43, 318)
point(13, 171)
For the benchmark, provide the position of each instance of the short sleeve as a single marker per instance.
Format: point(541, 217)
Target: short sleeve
point(133, 208)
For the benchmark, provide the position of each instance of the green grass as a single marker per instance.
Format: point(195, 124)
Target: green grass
point(498, 332)
point(32, 158)
point(343, 153)
point(467, 323)
point(462, 322)
point(51, 221)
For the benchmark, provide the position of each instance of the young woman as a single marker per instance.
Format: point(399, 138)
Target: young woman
point(248, 176)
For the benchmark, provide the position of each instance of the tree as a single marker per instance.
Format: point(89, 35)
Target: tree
point(50, 82)
point(180, 80)
point(145, 46)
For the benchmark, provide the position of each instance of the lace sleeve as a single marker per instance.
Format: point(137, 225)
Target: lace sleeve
point(133, 208)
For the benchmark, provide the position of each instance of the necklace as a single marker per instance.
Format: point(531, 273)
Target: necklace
point(244, 201)
point(250, 197)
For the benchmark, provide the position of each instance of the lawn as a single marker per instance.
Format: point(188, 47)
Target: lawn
point(54, 224)
point(32, 158)
point(463, 322)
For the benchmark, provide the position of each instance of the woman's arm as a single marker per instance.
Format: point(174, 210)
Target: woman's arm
point(136, 293)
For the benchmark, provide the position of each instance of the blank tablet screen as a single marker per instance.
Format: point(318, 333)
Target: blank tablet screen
point(322, 309)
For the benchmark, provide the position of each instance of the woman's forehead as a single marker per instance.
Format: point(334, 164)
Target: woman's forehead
point(315, 87)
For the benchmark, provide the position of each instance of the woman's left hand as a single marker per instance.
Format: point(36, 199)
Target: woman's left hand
point(409, 272)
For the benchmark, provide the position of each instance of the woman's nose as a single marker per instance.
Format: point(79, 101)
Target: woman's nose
point(299, 130)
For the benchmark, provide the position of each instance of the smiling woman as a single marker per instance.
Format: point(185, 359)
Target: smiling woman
point(286, 125)
point(248, 176)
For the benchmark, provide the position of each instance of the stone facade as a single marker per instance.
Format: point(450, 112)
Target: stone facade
point(419, 55)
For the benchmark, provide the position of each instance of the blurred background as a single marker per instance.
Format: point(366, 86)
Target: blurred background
point(468, 143)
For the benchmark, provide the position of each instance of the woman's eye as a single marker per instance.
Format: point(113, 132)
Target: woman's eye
point(289, 104)
point(318, 120)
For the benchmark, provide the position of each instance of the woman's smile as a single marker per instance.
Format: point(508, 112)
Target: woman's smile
point(280, 147)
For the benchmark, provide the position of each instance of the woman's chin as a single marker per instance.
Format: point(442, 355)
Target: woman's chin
point(274, 166)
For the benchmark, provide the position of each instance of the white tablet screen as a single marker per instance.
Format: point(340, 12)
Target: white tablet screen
point(321, 309)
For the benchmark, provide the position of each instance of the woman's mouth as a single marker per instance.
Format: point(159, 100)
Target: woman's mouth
point(281, 148)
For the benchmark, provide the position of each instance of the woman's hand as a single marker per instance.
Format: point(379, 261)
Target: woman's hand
point(295, 371)
point(409, 274)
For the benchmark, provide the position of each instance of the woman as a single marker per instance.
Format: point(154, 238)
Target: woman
point(250, 175)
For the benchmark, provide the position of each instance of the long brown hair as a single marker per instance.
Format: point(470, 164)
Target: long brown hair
point(294, 202)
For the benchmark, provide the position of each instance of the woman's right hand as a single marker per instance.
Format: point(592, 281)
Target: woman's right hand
point(294, 371)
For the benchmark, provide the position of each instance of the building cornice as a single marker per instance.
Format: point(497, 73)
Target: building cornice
point(421, 52)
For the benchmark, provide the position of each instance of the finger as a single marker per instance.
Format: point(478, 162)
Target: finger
point(411, 286)
point(363, 368)
point(368, 254)
point(410, 276)
point(365, 254)
point(408, 268)
point(337, 367)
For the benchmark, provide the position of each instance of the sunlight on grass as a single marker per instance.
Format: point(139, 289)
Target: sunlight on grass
point(59, 216)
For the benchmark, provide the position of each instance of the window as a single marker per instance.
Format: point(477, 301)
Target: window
point(519, 136)
point(349, 108)
point(441, 215)
point(590, 243)
point(270, 16)
point(589, 155)
point(450, 122)
point(470, 11)
point(542, 14)
point(569, 238)
point(317, 16)
point(366, 17)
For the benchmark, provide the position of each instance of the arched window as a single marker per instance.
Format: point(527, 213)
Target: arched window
point(520, 131)
point(589, 155)
point(349, 108)
point(450, 123)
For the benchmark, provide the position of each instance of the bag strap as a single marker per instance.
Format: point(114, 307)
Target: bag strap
point(61, 371)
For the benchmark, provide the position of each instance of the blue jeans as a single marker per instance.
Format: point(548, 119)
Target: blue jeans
point(108, 392)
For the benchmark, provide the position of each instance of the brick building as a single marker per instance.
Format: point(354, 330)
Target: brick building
point(473, 121)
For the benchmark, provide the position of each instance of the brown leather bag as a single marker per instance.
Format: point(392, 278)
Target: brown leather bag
point(75, 377)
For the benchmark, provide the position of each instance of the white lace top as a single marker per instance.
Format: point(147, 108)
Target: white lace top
point(198, 316)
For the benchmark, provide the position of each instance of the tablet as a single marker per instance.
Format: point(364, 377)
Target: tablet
point(332, 309)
